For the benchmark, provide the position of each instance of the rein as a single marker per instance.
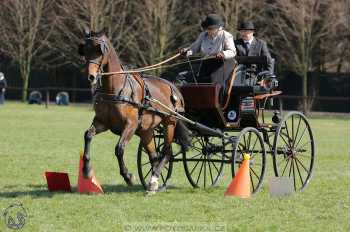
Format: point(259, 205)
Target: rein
point(157, 66)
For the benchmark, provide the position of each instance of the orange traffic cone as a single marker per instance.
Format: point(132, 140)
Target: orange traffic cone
point(89, 185)
point(240, 185)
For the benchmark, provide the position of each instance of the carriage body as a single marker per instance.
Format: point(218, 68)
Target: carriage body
point(238, 111)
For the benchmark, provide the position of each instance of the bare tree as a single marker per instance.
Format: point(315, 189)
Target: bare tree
point(299, 27)
point(336, 44)
point(159, 28)
point(110, 16)
point(26, 26)
point(234, 11)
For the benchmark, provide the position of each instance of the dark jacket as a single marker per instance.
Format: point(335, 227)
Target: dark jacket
point(258, 47)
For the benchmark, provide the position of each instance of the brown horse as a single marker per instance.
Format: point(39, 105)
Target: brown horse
point(121, 106)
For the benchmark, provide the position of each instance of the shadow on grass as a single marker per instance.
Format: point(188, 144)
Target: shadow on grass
point(35, 191)
point(41, 191)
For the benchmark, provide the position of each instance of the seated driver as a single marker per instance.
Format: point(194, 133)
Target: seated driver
point(217, 43)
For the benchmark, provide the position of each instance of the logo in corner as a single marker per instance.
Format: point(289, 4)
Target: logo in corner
point(15, 216)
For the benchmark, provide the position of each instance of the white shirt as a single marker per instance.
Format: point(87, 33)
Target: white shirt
point(222, 42)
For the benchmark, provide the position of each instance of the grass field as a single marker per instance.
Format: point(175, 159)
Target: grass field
point(34, 139)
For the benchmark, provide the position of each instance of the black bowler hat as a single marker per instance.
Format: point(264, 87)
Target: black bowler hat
point(248, 25)
point(212, 20)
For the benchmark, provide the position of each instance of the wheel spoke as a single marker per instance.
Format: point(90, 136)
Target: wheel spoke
point(302, 134)
point(302, 165)
point(200, 172)
point(194, 167)
point(284, 159)
point(307, 142)
point(245, 143)
point(149, 171)
point(195, 156)
point(290, 168)
point(285, 166)
point(252, 151)
point(249, 138)
point(296, 134)
point(254, 173)
point(211, 175)
point(251, 181)
point(302, 155)
point(196, 148)
point(285, 123)
point(161, 175)
point(295, 187)
point(145, 163)
point(301, 179)
point(254, 144)
point(293, 128)
point(287, 143)
point(215, 167)
point(205, 172)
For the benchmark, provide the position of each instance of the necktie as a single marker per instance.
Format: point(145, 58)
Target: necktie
point(247, 46)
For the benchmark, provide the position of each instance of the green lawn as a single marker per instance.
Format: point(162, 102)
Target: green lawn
point(34, 139)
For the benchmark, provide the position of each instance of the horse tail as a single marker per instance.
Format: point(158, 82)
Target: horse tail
point(182, 135)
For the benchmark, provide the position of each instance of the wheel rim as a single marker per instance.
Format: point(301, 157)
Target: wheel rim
point(294, 150)
point(204, 161)
point(250, 142)
point(144, 165)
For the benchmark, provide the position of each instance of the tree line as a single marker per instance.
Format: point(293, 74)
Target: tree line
point(303, 35)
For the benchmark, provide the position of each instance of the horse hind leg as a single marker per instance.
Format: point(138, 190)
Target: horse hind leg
point(148, 143)
point(125, 137)
point(167, 153)
point(95, 128)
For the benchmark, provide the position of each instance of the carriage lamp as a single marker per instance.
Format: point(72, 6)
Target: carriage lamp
point(276, 118)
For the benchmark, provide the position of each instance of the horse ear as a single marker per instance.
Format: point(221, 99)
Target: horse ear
point(104, 47)
point(81, 50)
point(102, 32)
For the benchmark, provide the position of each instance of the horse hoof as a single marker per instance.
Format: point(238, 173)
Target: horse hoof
point(150, 193)
point(131, 180)
point(153, 186)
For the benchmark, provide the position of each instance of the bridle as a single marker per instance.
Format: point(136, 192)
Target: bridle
point(99, 60)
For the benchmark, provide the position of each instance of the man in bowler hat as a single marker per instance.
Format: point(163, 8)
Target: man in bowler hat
point(249, 45)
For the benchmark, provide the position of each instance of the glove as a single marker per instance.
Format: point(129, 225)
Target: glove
point(220, 56)
point(185, 51)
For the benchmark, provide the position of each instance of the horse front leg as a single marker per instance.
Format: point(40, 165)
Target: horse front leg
point(95, 128)
point(128, 132)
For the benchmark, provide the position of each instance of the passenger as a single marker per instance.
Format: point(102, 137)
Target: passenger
point(249, 45)
point(215, 42)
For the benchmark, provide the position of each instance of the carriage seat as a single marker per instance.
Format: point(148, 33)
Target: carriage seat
point(247, 76)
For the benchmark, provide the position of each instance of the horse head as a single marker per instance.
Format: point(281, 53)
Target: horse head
point(95, 50)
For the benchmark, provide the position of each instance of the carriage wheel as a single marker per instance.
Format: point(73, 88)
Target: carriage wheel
point(250, 141)
point(144, 166)
point(294, 149)
point(204, 161)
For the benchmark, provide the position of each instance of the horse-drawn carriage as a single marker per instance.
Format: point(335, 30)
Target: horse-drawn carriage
point(227, 123)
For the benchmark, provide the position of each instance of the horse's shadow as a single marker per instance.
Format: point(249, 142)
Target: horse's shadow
point(41, 191)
